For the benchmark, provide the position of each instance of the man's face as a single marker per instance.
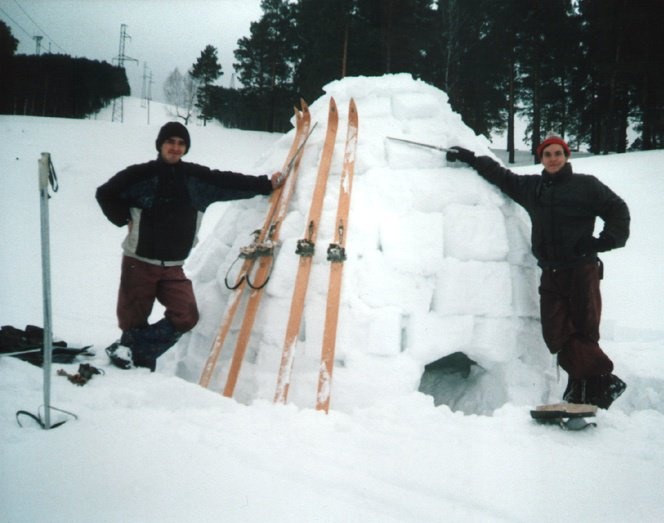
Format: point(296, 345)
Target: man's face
point(553, 158)
point(173, 149)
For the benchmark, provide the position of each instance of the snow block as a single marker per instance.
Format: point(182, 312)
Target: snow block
point(284, 270)
point(431, 336)
point(494, 340)
point(413, 243)
point(376, 283)
point(473, 287)
point(525, 297)
point(475, 232)
point(416, 105)
point(384, 332)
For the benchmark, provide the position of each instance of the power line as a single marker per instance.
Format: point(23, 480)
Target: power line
point(30, 35)
point(39, 27)
point(15, 22)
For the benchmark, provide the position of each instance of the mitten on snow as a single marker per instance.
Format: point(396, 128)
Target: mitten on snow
point(463, 155)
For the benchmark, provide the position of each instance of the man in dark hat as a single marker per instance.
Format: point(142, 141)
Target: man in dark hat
point(162, 202)
point(563, 207)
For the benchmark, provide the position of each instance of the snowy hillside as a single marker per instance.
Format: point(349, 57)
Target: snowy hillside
point(438, 265)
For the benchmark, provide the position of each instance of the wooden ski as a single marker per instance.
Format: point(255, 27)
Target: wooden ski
point(305, 249)
point(238, 289)
point(263, 271)
point(336, 254)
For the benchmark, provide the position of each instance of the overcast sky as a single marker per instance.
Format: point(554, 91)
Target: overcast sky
point(165, 34)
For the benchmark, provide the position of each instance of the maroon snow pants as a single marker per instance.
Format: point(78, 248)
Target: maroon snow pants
point(142, 283)
point(571, 306)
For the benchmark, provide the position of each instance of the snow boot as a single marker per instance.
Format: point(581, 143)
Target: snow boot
point(575, 392)
point(603, 390)
point(120, 355)
point(148, 343)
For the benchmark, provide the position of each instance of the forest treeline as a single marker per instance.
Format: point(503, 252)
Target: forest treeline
point(55, 84)
point(585, 69)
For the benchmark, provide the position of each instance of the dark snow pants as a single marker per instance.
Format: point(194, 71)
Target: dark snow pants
point(142, 283)
point(571, 306)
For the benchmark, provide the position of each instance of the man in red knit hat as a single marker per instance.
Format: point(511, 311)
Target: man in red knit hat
point(563, 207)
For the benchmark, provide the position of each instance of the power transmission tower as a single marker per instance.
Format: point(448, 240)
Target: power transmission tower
point(38, 40)
point(146, 91)
point(144, 88)
point(118, 105)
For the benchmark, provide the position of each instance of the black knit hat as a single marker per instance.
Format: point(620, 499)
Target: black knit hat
point(170, 130)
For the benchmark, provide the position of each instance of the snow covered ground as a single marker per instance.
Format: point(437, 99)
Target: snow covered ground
point(438, 264)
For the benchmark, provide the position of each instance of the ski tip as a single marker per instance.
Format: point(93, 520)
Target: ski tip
point(333, 104)
point(304, 105)
point(352, 107)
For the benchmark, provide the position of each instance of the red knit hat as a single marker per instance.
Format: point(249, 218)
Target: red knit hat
point(550, 140)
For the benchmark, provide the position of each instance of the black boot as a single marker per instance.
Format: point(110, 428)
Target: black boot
point(150, 342)
point(605, 389)
point(120, 355)
point(575, 392)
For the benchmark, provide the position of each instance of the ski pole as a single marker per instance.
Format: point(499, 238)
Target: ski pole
point(289, 166)
point(437, 147)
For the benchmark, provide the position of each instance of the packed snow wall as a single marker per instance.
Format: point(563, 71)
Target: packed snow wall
point(439, 273)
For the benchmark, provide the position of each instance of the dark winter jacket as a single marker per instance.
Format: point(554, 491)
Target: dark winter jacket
point(165, 204)
point(562, 208)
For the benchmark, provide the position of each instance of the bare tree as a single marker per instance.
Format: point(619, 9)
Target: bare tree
point(180, 91)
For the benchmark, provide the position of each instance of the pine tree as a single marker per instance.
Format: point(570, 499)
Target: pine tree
point(205, 71)
point(266, 60)
point(463, 58)
point(322, 45)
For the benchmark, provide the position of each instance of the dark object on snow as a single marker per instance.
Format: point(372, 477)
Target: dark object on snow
point(27, 345)
point(84, 374)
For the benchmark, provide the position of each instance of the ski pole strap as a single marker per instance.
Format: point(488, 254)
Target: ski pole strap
point(38, 417)
point(52, 177)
